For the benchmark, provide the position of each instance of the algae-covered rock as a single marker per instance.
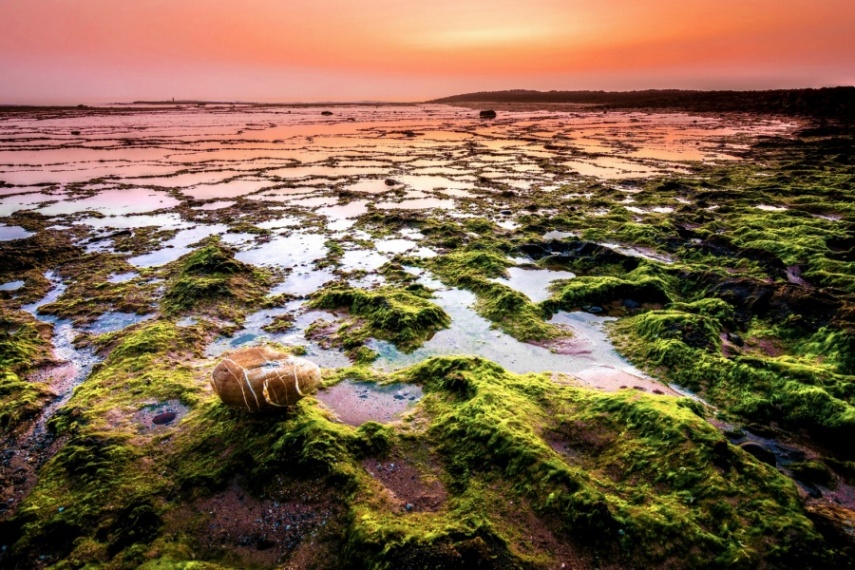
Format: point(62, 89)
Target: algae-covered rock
point(404, 317)
point(262, 379)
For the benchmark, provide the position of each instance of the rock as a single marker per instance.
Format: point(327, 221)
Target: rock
point(326, 113)
point(163, 419)
point(505, 212)
point(594, 309)
point(391, 182)
point(760, 452)
point(488, 114)
point(262, 379)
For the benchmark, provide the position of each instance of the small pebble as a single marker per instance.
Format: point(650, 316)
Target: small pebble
point(164, 418)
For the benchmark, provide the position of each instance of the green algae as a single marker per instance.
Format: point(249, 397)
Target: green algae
point(473, 268)
point(89, 293)
point(467, 265)
point(814, 472)
point(606, 290)
point(102, 478)
point(212, 281)
point(24, 346)
point(280, 323)
point(41, 252)
point(644, 473)
point(648, 474)
point(683, 348)
point(763, 349)
point(405, 317)
point(19, 400)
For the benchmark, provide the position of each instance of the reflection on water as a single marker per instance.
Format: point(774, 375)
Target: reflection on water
point(162, 221)
point(364, 259)
point(79, 361)
point(115, 321)
point(114, 203)
point(471, 333)
point(9, 233)
point(253, 333)
point(279, 183)
point(298, 248)
point(177, 246)
point(219, 205)
point(533, 283)
point(122, 277)
point(230, 189)
point(11, 286)
point(304, 281)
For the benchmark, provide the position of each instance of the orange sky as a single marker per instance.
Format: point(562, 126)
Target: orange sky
point(70, 51)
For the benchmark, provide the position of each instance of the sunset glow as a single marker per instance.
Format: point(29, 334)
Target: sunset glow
point(56, 51)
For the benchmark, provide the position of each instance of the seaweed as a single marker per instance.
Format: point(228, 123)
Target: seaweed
point(405, 317)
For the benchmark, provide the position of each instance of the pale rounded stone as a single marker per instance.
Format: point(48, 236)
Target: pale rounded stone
point(262, 379)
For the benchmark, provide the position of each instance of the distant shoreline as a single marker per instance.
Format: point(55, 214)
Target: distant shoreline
point(831, 102)
point(824, 103)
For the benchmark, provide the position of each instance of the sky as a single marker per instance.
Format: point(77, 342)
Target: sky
point(99, 51)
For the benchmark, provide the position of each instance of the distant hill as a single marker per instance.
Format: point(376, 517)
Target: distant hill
point(832, 102)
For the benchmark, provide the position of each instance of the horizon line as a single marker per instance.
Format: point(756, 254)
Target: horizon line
point(174, 101)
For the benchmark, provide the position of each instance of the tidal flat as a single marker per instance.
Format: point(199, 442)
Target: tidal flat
point(553, 339)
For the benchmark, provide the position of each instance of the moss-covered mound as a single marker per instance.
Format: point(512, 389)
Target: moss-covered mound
point(474, 268)
point(24, 345)
point(804, 390)
point(607, 291)
point(211, 280)
point(404, 317)
point(530, 474)
point(100, 488)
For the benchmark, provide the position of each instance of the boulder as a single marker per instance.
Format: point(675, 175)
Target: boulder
point(488, 114)
point(262, 379)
